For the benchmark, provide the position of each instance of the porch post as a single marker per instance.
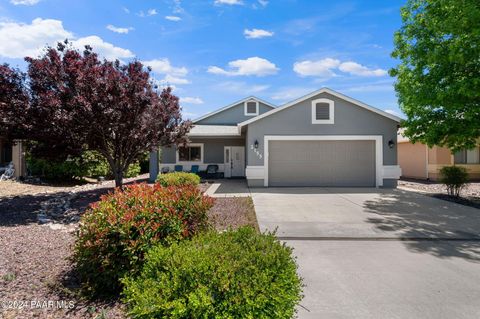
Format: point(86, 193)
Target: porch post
point(18, 158)
point(153, 165)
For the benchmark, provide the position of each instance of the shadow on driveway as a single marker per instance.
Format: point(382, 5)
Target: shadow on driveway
point(428, 220)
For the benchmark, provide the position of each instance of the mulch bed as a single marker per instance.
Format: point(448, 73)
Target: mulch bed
point(34, 261)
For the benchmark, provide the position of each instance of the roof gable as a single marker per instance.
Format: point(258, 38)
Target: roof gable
point(322, 90)
point(250, 98)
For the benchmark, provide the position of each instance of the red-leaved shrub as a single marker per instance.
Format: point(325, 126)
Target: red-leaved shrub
point(116, 232)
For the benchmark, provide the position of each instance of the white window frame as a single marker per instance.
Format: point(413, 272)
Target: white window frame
point(190, 162)
point(245, 108)
point(331, 111)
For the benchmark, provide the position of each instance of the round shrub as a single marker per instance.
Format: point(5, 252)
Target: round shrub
point(116, 232)
point(178, 179)
point(235, 274)
point(455, 178)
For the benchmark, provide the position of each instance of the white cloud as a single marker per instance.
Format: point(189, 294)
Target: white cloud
point(173, 75)
point(150, 12)
point(173, 18)
point(119, 29)
point(177, 6)
point(229, 2)
point(290, 93)
point(371, 88)
point(104, 49)
point(360, 70)
point(171, 79)
point(264, 3)
point(322, 68)
point(241, 87)
point(257, 33)
point(191, 100)
point(251, 66)
point(326, 68)
point(126, 10)
point(24, 2)
point(22, 39)
point(29, 40)
point(163, 66)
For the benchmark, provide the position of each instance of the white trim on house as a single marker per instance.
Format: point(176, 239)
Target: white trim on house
point(232, 105)
point(245, 107)
point(177, 159)
point(255, 172)
point(322, 90)
point(331, 111)
point(379, 171)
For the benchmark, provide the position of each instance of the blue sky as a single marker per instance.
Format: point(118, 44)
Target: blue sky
point(214, 52)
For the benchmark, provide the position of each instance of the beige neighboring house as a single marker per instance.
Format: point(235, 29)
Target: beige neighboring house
point(13, 153)
point(422, 162)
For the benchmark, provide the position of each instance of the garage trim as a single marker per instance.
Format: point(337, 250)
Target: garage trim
point(378, 149)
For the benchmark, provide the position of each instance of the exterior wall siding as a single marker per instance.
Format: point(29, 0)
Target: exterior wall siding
point(412, 158)
point(232, 116)
point(212, 149)
point(350, 119)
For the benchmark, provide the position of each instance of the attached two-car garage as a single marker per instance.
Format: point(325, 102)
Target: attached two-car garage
point(334, 163)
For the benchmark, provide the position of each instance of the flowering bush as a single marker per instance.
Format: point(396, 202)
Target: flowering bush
point(178, 179)
point(117, 231)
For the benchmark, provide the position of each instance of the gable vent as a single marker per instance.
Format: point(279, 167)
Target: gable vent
point(251, 107)
point(322, 111)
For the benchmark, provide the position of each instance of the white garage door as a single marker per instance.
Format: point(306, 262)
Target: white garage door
point(321, 163)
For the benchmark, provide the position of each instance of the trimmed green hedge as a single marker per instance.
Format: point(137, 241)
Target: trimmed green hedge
point(235, 274)
point(116, 232)
point(178, 179)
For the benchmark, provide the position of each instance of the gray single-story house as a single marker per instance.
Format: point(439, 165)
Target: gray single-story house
point(321, 139)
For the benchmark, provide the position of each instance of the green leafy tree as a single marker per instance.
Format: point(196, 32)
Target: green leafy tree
point(438, 78)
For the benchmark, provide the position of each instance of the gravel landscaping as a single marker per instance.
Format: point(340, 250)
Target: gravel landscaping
point(470, 196)
point(36, 277)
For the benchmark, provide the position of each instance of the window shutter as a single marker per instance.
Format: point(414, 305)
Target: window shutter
point(251, 107)
point(322, 111)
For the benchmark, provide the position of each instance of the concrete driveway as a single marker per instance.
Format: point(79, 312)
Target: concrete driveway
point(373, 253)
point(362, 213)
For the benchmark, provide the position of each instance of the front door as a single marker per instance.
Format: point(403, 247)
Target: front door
point(234, 161)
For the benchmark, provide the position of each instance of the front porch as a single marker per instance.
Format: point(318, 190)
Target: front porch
point(227, 154)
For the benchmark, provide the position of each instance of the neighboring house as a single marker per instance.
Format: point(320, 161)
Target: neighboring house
point(422, 162)
point(13, 153)
point(322, 139)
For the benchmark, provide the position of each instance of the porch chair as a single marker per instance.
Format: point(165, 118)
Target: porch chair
point(194, 169)
point(165, 170)
point(8, 172)
point(212, 171)
point(178, 168)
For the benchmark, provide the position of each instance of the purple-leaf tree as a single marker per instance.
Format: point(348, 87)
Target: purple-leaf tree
point(79, 102)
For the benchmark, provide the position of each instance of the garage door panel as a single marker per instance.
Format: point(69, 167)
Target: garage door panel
point(321, 163)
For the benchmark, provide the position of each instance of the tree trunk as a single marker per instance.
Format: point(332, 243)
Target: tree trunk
point(118, 173)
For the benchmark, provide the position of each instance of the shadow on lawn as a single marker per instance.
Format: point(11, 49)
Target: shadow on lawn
point(433, 226)
point(22, 209)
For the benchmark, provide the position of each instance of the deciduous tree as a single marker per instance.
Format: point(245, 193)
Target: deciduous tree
point(438, 78)
point(79, 102)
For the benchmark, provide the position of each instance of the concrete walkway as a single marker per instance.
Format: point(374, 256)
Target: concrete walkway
point(336, 213)
point(228, 188)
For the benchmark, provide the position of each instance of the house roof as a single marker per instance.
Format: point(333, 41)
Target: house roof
point(214, 130)
point(232, 105)
point(310, 95)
